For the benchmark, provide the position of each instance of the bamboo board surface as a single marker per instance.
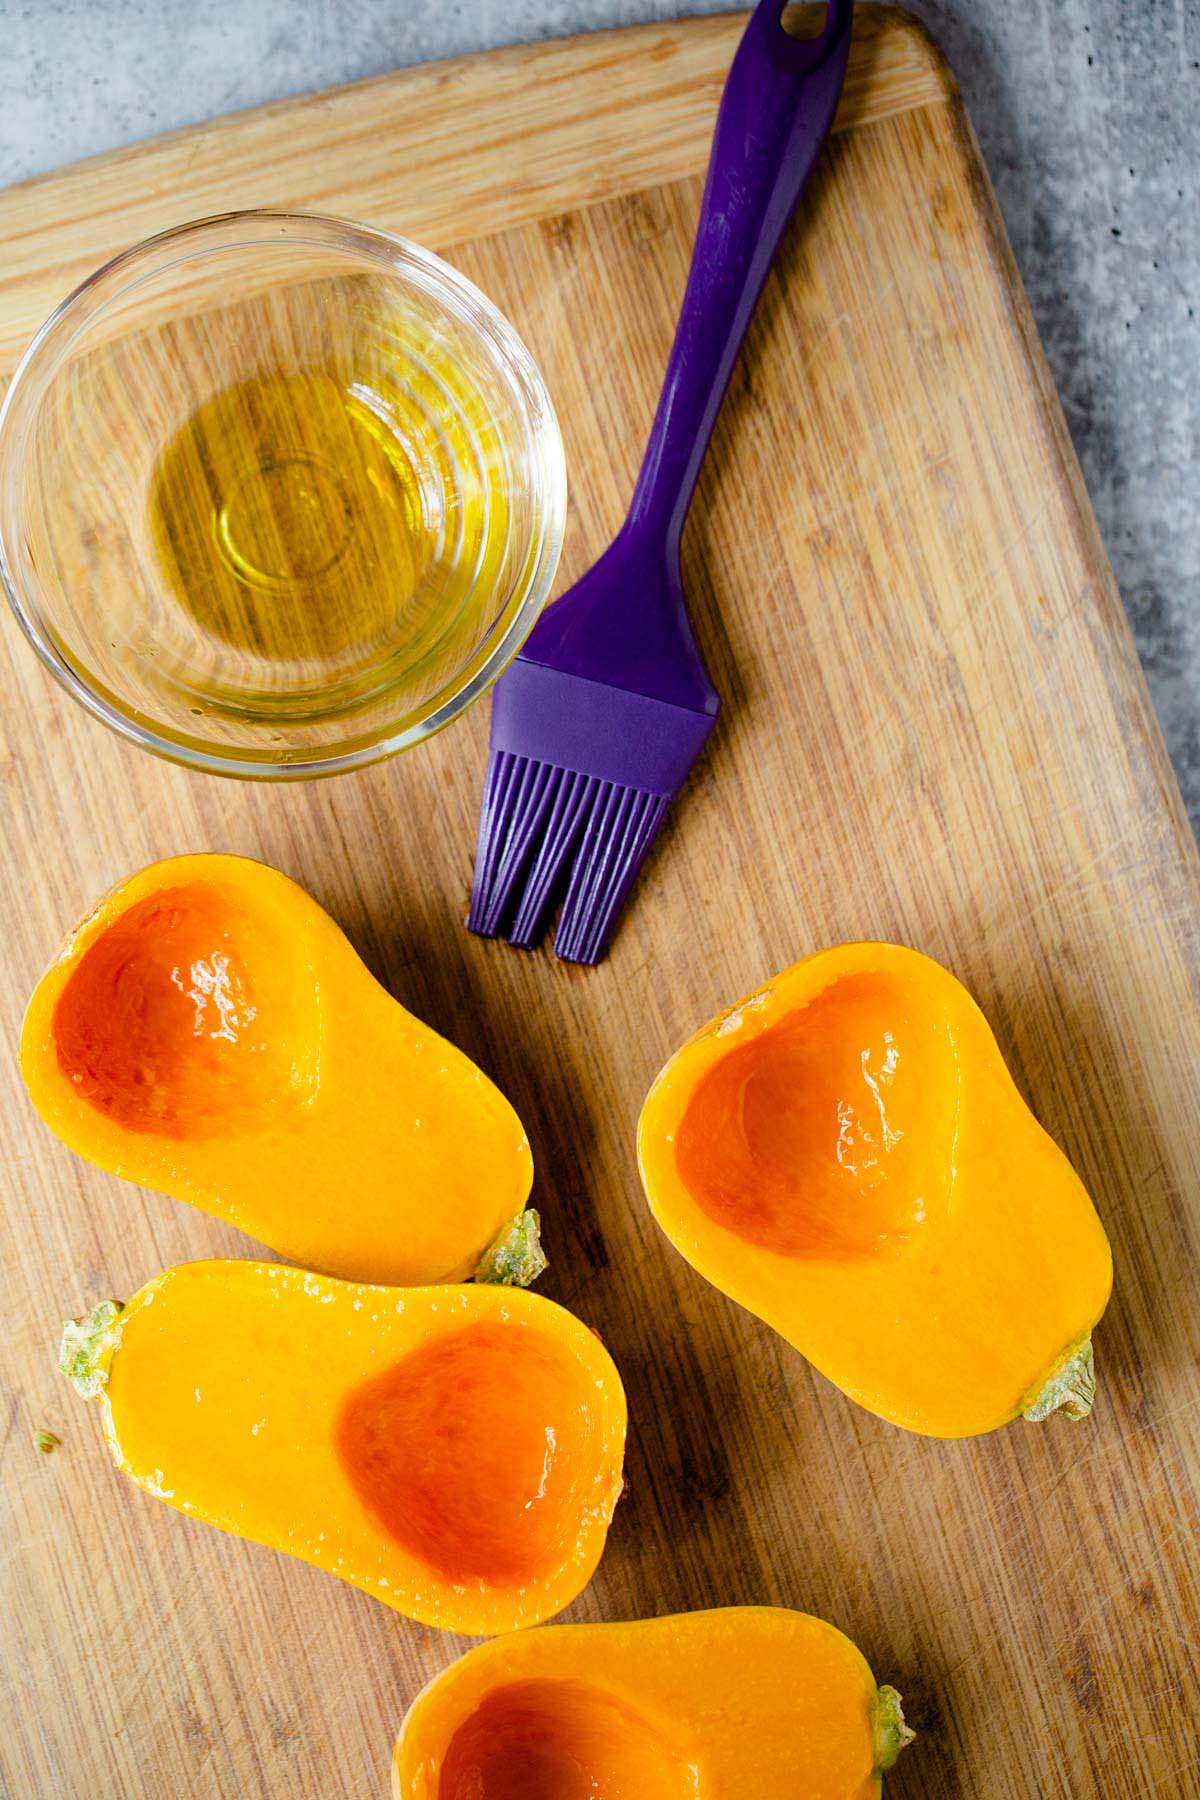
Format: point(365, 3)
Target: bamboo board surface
point(935, 730)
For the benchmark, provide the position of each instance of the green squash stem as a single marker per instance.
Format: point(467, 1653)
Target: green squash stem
point(889, 1733)
point(515, 1257)
point(87, 1348)
point(1071, 1389)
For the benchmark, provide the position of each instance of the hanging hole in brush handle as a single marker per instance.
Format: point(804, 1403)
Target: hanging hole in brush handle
point(809, 23)
point(776, 111)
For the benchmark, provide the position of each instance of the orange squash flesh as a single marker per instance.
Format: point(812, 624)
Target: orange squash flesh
point(455, 1451)
point(744, 1703)
point(209, 1032)
point(454, 1448)
point(174, 1021)
point(753, 1146)
point(846, 1155)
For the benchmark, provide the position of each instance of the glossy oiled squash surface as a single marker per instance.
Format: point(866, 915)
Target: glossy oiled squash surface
point(744, 1703)
point(209, 1031)
point(456, 1451)
point(845, 1153)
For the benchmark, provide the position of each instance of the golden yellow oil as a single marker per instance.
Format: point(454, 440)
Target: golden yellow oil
point(288, 518)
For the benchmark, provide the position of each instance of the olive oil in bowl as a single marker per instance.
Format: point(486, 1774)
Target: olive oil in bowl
point(282, 495)
point(289, 520)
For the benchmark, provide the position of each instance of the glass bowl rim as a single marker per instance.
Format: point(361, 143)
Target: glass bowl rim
point(402, 259)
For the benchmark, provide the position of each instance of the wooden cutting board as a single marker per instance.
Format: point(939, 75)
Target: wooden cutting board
point(935, 730)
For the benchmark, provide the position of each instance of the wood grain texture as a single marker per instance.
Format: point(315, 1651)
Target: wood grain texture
point(445, 153)
point(935, 731)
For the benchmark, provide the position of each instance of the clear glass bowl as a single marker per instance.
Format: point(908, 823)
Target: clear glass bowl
point(279, 495)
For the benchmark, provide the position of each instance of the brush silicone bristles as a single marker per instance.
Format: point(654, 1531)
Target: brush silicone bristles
point(547, 829)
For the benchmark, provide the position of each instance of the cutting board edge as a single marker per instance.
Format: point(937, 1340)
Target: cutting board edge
point(1105, 599)
point(563, 158)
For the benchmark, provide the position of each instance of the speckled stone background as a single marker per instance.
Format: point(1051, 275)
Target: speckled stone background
point(1089, 114)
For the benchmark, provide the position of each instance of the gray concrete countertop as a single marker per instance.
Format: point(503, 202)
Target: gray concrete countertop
point(1089, 115)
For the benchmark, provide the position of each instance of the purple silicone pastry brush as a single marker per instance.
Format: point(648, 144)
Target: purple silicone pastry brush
point(597, 722)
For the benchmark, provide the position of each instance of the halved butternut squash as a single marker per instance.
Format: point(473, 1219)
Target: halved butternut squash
point(845, 1154)
point(455, 1451)
point(208, 1031)
point(744, 1703)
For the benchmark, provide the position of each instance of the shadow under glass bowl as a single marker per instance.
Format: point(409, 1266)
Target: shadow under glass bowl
point(279, 495)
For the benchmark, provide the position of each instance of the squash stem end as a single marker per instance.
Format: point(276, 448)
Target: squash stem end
point(1071, 1389)
point(515, 1257)
point(889, 1732)
point(87, 1346)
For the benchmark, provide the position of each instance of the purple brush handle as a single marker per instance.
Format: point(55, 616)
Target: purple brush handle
point(625, 623)
point(776, 111)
